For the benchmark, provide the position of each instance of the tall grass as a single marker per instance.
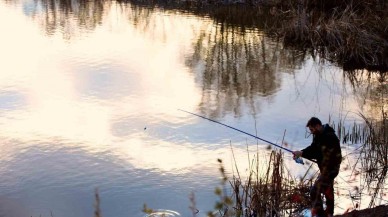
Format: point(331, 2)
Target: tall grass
point(268, 190)
point(374, 156)
point(371, 138)
point(354, 35)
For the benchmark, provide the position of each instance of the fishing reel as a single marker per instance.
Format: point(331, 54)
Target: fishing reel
point(299, 160)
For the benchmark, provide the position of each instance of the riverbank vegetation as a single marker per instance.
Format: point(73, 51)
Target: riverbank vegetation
point(352, 33)
point(269, 189)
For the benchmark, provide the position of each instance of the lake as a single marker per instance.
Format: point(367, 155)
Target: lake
point(89, 98)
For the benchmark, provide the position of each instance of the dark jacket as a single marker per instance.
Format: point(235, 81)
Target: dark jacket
point(326, 149)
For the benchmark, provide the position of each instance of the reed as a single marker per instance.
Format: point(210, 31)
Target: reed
point(374, 157)
point(371, 137)
point(269, 190)
point(350, 33)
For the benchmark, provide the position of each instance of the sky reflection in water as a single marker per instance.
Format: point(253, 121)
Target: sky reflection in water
point(95, 105)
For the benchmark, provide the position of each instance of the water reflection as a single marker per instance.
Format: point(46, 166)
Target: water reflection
point(371, 90)
point(67, 16)
point(80, 115)
point(238, 67)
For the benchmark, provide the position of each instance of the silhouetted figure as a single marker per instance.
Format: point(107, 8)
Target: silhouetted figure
point(325, 149)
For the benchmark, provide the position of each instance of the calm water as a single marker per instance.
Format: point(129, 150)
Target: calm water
point(89, 98)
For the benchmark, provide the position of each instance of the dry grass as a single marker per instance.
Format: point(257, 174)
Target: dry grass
point(269, 189)
point(354, 35)
point(374, 157)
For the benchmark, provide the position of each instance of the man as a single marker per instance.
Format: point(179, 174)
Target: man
point(325, 149)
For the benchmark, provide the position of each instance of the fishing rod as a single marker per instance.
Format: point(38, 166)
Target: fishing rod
point(297, 160)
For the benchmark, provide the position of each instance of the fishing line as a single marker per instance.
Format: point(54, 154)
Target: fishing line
point(297, 160)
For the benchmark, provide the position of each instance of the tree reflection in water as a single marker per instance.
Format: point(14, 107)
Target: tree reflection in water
point(233, 52)
point(239, 66)
point(237, 61)
point(67, 16)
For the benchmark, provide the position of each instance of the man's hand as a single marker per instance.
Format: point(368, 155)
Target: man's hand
point(297, 154)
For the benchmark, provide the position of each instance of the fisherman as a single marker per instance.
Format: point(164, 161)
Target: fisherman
point(325, 149)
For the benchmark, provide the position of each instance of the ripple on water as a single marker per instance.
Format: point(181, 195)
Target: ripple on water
point(163, 212)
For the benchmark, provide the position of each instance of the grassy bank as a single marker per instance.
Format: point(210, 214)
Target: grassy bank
point(353, 34)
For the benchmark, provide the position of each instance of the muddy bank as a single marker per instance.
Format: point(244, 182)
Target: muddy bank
point(379, 211)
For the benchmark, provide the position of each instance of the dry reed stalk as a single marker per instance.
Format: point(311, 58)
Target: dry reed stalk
point(374, 157)
point(268, 190)
point(372, 154)
point(346, 35)
point(97, 211)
